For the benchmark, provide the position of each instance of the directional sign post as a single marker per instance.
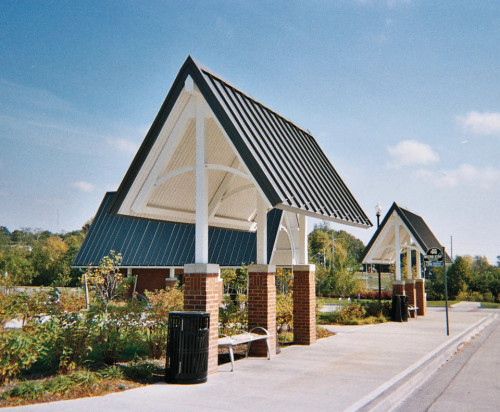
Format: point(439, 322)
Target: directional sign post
point(446, 296)
point(436, 257)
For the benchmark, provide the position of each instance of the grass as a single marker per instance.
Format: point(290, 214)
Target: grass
point(490, 305)
point(441, 302)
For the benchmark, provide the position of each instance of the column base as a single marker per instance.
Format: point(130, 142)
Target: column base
point(201, 294)
point(421, 297)
point(262, 305)
point(304, 305)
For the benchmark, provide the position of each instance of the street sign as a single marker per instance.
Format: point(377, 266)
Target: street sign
point(434, 254)
point(434, 263)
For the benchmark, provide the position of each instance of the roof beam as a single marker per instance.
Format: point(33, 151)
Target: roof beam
point(218, 197)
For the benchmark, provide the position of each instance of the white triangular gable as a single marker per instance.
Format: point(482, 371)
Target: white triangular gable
point(164, 187)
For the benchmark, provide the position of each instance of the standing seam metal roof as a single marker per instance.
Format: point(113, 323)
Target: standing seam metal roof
point(285, 160)
point(154, 243)
point(415, 224)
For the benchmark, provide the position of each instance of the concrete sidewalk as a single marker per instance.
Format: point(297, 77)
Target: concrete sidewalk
point(360, 368)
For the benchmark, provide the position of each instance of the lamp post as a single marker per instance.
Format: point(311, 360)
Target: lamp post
point(378, 210)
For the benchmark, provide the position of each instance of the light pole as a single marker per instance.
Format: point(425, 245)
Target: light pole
point(378, 211)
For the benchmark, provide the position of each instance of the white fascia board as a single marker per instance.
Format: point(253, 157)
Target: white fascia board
point(299, 211)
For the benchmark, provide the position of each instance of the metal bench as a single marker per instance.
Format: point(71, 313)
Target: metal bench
point(244, 338)
point(412, 308)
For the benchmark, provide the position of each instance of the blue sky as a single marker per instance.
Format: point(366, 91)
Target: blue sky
point(404, 97)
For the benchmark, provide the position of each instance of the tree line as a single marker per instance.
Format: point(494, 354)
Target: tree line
point(34, 257)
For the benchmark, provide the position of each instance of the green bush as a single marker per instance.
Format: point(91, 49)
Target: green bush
point(111, 372)
point(59, 384)
point(29, 390)
point(115, 328)
point(68, 338)
point(233, 315)
point(19, 350)
point(284, 312)
point(155, 321)
point(84, 378)
point(142, 372)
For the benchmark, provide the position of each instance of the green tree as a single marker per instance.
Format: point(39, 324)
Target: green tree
point(15, 267)
point(480, 265)
point(459, 275)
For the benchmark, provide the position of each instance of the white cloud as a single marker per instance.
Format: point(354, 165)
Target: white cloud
point(465, 174)
point(123, 145)
point(84, 186)
point(487, 123)
point(411, 152)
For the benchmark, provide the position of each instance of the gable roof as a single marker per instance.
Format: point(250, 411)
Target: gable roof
point(286, 161)
point(153, 243)
point(416, 226)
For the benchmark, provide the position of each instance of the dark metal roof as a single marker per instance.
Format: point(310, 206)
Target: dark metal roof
point(153, 243)
point(417, 227)
point(286, 161)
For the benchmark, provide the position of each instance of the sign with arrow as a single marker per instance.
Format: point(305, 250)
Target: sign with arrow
point(434, 254)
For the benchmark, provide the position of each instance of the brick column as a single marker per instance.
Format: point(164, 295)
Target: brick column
point(170, 283)
point(421, 298)
point(398, 287)
point(304, 305)
point(412, 298)
point(201, 294)
point(262, 305)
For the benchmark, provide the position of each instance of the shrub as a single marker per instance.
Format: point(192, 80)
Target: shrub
point(30, 390)
point(106, 280)
point(141, 372)
point(67, 339)
point(161, 302)
point(233, 315)
point(84, 378)
point(373, 294)
point(377, 310)
point(19, 349)
point(284, 312)
point(115, 328)
point(59, 384)
point(111, 372)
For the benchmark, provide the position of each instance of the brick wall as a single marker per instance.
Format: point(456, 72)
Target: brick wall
point(304, 305)
point(421, 298)
point(262, 305)
point(412, 298)
point(398, 287)
point(202, 294)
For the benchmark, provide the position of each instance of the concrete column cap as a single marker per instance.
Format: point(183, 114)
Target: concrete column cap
point(410, 281)
point(420, 280)
point(262, 268)
point(201, 268)
point(304, 268)
point(398, 282)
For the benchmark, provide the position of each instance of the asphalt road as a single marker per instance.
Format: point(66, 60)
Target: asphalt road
point(469, 381)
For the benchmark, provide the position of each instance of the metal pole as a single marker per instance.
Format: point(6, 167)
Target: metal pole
point(446, 293)
point(86, 289)
point(378, 269)
point(379, 285)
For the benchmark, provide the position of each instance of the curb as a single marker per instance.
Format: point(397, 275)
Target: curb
point(392, 393)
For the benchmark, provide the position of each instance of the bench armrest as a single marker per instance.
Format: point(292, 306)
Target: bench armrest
point(263, 329)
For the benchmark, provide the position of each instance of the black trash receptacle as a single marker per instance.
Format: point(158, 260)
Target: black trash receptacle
point(187, 347)
point(404, 308)
point(396, 309)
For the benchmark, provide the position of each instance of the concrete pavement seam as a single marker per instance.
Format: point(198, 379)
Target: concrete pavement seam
point(384, 397)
